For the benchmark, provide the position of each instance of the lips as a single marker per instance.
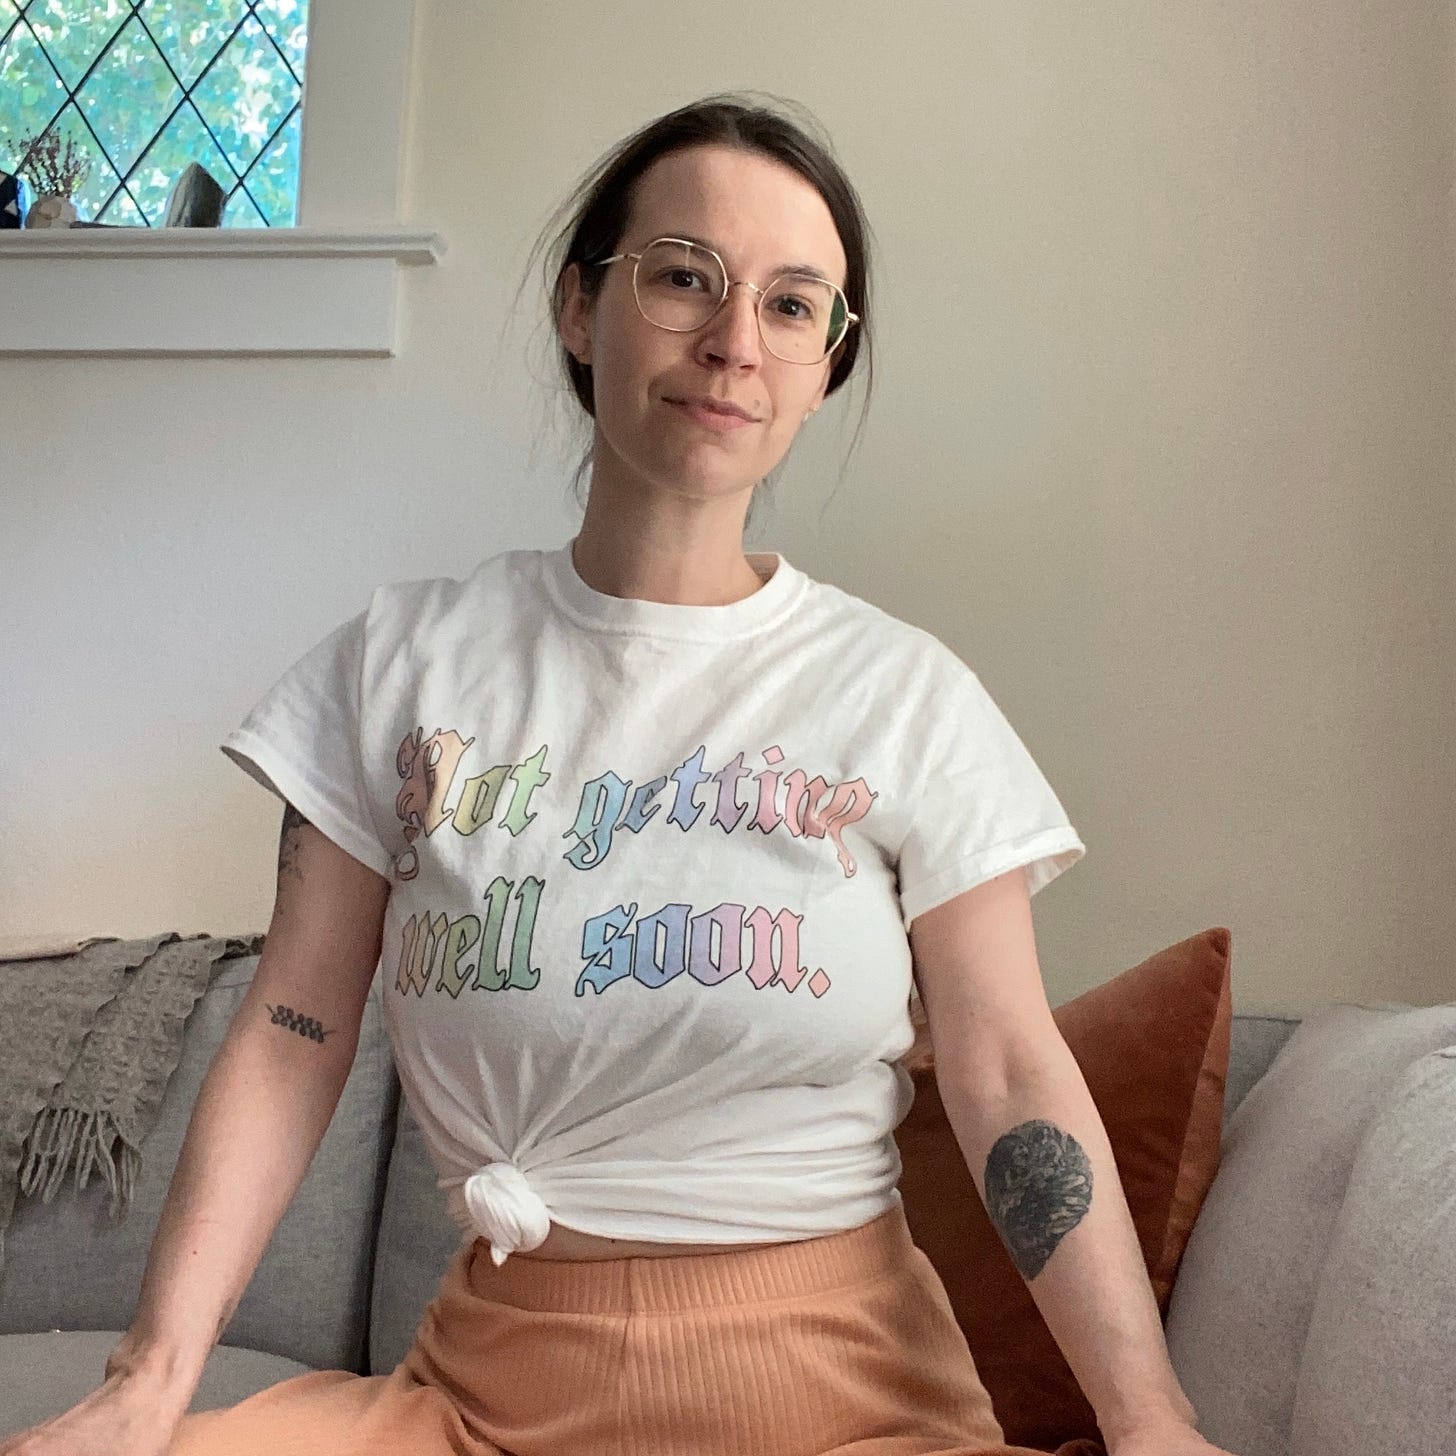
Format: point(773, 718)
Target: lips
point(717, 406)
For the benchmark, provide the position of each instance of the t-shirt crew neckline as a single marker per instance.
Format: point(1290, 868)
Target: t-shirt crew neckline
point(631, 616)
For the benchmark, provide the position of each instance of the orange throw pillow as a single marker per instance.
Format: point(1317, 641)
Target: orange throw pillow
point(1153, 1046)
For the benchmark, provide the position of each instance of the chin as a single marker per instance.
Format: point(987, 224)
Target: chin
point(694, 478)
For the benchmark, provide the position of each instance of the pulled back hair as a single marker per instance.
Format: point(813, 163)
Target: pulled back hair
point(600, 207)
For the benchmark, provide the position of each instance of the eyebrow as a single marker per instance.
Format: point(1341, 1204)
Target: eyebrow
point(803, 270)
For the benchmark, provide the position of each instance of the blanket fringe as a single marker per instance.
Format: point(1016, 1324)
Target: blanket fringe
point(93, 1140)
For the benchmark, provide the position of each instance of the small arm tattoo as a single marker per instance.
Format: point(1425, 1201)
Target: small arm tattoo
point(288, 844)
point(303, 1025)
point(1038, 1187)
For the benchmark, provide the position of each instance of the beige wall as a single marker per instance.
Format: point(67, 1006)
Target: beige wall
point(1161, 444)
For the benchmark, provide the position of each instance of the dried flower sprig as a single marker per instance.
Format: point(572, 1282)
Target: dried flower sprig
point(55, 165)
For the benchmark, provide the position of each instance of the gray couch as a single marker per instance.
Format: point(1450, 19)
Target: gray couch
point(362, 1247)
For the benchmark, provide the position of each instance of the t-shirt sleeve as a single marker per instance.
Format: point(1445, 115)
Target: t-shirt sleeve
point(984, 807)
point(302, 742)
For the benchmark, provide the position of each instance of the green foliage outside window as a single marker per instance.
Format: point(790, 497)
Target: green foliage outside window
point(101, 73)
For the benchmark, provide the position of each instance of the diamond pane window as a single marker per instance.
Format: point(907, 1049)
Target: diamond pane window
point(145, 87)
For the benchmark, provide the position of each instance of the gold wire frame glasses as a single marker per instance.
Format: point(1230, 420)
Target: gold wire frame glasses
point(807, 336)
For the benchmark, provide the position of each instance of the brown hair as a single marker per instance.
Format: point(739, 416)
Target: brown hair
point(600, 206)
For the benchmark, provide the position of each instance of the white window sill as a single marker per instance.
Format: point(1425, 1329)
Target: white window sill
point(219, 291)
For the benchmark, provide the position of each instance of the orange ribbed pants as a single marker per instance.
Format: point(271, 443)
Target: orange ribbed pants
point(841, 1344)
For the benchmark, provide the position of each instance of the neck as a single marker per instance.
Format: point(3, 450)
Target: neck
point(678, 550)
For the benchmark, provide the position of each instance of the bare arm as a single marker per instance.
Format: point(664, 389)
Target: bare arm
point(1045, 1171)
point(262, 1110)
point(1038, 1153)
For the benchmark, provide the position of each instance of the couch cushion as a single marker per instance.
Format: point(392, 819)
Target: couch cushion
point(1255, 1042)
point(69, 1266)
point(1240, 1311)
point(45, 1374)
point(1379, 1368)
point(1152, 1045)
point(417, 1239)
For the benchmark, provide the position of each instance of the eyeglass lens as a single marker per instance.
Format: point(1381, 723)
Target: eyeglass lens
point(679, 285)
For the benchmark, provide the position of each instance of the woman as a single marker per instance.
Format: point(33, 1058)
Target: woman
point(648, 836)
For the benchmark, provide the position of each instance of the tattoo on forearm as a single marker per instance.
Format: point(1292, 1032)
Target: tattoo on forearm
point(303, 1025)
point(288, 844)
point(1038, 1187)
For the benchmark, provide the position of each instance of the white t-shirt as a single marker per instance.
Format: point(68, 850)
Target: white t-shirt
point(646, 970)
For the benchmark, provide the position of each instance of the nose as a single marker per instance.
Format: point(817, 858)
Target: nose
point(732, 335)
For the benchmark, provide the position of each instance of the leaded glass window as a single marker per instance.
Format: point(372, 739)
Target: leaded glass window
point(147, 86)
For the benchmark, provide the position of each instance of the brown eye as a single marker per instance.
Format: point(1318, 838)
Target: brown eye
point(673, 279)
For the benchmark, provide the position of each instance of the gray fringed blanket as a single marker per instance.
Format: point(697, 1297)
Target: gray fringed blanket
point(88, 1042)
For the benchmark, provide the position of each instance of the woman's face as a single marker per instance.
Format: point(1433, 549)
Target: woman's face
point(758, 215)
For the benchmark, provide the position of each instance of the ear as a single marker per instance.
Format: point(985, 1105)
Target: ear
point(574, 323)
point(823, 385)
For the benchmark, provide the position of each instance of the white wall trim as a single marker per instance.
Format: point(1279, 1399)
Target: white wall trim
point(243, 291)
point(407, 246)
